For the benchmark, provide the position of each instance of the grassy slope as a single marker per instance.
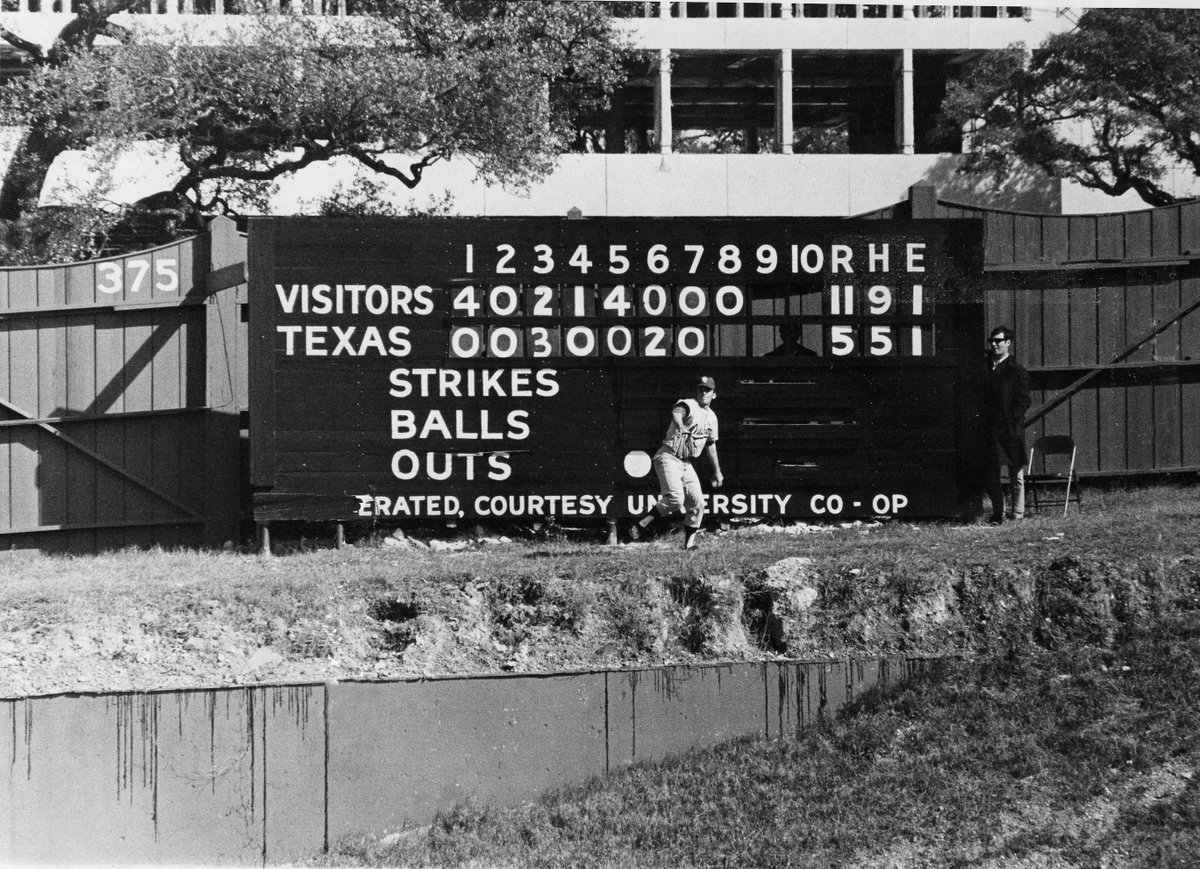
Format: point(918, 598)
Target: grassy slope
point(1078, 757)
point(1077, 744)
point(134, 620)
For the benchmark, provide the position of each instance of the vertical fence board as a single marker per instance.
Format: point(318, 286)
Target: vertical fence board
point(1138, 235)
point(1166, 301)
point(1082, 245)
point(1110, 398)
point(1167, 431)
point(52, 401)
point(1027, 238)
point(1189, 339)
point(22, 289)
point(1084, 349)
point(80, 399)
point(138, 443)
point(998, 238)
point(1110, 237)
point(1111, 433)
point(51, 287)
point(193, 472)
point(1168, 434)
point(79, 394)
point(166, 459)
point(23, 393)
point(1189, 401)
point(80, 284)
point(1057, 327)
point(164, 265)
point(1027, 321)
point(1000, 304)
point(1084, 429)
point(1056, 237)
point(1189, 228)
point(138, 360)
point(110, 398)
point(1139, 410)
point(1164, 224)
point(1058, 421)
point(1139, 393)
point(1139, 314)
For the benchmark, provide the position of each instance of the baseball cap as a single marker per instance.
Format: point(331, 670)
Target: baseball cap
point(707, 383)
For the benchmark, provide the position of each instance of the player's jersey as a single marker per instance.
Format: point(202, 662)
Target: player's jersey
point(699, 428)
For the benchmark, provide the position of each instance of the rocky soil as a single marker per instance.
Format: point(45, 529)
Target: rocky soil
point(448, 615)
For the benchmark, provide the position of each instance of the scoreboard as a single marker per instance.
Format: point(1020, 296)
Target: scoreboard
point(522, 368)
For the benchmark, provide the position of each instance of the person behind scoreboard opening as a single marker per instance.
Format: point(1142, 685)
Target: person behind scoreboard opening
point(789, 342)
point(693, 432)
point(1005, 401)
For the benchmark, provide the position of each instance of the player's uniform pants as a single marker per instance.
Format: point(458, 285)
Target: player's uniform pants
point(680, 488)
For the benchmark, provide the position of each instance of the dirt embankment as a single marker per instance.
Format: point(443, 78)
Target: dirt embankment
point(466, 622)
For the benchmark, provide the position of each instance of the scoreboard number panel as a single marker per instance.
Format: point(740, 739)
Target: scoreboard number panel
point(409, 369)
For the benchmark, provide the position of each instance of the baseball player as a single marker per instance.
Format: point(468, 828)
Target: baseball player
point(693, 432)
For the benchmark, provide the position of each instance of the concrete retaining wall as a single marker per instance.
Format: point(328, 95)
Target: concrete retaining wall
point(271, 774)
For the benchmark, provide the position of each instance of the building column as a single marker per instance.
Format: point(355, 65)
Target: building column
point(905, 123)
point(614, 128)
point(784, 126)
point(662, 102)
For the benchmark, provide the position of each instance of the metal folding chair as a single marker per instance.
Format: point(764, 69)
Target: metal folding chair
point(1056, 483)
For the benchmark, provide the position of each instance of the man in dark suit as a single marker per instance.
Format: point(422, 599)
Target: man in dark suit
point(1005, 401)
point(789, 338)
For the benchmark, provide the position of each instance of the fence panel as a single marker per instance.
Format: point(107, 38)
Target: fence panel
point(105, 430)
point(1107, 320)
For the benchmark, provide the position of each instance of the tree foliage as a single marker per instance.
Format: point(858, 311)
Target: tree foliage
point(397, 89)
point(1113, 104)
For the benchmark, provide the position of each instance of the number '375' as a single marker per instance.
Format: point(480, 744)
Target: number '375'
point(131, 275)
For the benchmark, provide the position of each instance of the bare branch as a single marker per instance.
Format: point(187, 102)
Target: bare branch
point(25, 45)
point(415, 170)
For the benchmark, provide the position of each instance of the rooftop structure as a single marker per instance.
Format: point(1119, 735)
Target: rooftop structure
point(742, 107)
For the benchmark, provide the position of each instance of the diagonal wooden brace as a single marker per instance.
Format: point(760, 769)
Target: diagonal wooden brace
point(1051, 403)
point(92, 454)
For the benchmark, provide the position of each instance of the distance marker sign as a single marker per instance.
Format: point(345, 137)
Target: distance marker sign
point(433, 369)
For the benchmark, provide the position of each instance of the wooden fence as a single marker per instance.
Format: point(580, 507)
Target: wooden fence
point(1106, 309)
point(122, 383)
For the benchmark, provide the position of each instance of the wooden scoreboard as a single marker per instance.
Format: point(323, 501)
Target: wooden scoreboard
point(511, 368)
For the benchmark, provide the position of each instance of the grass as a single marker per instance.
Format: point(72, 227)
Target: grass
point(1080, 756)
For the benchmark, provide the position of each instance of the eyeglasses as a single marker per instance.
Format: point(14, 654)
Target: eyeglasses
point(998, 340)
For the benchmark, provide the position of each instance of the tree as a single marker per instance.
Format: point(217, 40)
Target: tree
point(397, 89)
point(1112, 104)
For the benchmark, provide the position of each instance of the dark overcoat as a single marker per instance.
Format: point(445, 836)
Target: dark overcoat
point(1005, 401)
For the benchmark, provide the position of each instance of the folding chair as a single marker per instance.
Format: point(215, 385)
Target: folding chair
point(1057, 479)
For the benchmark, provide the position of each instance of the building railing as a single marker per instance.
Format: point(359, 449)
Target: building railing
point(630, 9)
point(759, 9)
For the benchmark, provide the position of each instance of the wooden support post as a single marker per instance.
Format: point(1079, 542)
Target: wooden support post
point(339, 535)
point(264, 538)
point(223, 370)
point(610, 526)
point(922, 200)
